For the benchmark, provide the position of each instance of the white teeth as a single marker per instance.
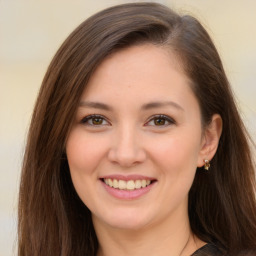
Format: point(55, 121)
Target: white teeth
point(110, 182)
point(137, 184)
point(115, 183)
point(127, 185)
point(130, 185)
point(122, 184)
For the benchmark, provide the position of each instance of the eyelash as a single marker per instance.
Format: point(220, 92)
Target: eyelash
point(161, 117)
point(86, 120)
point(165, 118)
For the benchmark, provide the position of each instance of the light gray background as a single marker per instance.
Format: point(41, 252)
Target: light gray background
point(32, 31)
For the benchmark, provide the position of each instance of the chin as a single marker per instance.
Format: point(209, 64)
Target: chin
point(128, 225)
point(125, 220)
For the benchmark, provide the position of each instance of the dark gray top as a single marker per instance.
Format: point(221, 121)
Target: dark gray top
point(208, 250)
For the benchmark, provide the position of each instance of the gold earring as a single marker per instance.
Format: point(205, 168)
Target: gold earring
point(206, 164)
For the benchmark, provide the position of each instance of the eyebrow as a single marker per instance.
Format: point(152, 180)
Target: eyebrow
point(97, 105)
point(148, 106)
point(158, 104)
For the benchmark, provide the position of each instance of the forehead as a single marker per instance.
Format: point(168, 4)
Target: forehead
point(143, 72)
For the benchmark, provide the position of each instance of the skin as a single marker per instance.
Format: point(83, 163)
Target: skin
point(128, 139)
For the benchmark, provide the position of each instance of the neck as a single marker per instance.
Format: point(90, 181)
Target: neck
point(173, 238)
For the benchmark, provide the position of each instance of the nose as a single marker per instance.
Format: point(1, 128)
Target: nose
point(126, 148)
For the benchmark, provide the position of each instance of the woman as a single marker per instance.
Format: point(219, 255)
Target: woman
point(136, 146)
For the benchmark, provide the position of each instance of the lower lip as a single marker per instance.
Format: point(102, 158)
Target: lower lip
point(127, 194)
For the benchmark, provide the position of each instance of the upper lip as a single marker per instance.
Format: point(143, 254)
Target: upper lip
point(127, 177)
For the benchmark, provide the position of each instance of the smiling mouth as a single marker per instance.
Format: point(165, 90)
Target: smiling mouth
point(127, 185)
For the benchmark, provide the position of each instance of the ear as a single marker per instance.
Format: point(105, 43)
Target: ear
point(210, 140)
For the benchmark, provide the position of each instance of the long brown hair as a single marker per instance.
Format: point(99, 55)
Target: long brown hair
point(52, 218)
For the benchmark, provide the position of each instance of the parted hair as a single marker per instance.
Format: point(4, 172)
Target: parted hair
point(52, 220)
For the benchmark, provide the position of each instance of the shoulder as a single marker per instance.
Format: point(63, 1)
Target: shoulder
point(209, 250)
point(213, 250)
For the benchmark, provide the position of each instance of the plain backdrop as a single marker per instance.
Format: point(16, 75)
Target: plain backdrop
point(32, 31)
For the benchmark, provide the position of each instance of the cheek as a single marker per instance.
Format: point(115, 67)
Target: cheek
point(178, 152)
point(84, 152)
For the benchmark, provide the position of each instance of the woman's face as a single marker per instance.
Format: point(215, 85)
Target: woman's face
point(137, 139)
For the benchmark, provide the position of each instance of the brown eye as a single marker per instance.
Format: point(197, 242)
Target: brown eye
point(94, 120)
point(97, 121)
point(159, 121)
